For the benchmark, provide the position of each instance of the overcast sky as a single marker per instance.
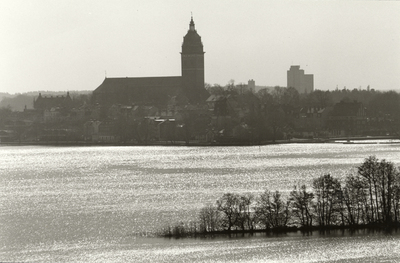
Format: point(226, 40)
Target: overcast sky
point(71, 45)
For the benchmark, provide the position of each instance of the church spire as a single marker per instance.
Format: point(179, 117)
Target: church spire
point(192, 41)
point(191, 25)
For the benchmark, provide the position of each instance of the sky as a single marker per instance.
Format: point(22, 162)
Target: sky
point(73, 45)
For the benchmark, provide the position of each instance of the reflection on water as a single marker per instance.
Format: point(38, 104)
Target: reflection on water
point(89, 203)
point(335, 247)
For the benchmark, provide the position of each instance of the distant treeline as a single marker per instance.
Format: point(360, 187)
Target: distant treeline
point(369, 199)
point(17, 102)
point(317, 98)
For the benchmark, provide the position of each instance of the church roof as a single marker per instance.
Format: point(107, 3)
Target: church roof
point(192, 41)
point(122, 84)
point(139, 90)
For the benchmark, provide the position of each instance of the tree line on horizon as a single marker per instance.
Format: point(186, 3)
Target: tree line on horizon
point(370, 198)
point(275, 95)
point(259, 116)
point(277, 110)
point(289, 96)
point(18, 101)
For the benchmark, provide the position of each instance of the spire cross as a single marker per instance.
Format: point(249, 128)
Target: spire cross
point(191, 26)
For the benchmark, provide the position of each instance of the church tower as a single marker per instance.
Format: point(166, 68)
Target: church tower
point(192, 59)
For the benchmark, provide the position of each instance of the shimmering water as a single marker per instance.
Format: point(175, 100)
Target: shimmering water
point(86, 204)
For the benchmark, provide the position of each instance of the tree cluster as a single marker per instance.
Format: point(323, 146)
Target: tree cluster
point(370, 198)
point(275, 111)
point(239, 116)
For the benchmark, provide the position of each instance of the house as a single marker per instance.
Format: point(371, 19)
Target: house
point(347, 118)
point(47, 102)
point(99, 131)
point(311, 122)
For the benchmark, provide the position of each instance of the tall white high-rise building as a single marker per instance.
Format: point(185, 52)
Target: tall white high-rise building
point(303, 83)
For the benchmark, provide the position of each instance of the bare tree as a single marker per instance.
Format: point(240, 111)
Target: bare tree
point(229, 206)
point(209, 219)
point(328, 193)
point(301, 205)
point(246, 219)
point(381, 181)
point(272, 211)
point(355, 202)
point(367, 171)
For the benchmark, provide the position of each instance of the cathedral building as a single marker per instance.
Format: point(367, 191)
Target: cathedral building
point(158, 90)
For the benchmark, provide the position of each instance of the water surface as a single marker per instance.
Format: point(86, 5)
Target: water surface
point(88, 204)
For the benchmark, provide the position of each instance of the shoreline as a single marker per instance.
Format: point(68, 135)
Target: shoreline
point(281, 231)
point(342, 140)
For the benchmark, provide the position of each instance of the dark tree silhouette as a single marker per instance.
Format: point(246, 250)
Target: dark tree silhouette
point(327, 191)
point(301, 205)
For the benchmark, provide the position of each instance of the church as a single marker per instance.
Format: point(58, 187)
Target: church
point(159, 90)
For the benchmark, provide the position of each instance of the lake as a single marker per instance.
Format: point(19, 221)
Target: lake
point(98, 204)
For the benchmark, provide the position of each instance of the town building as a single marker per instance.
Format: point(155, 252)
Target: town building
point(47, 102)
point(311, 122)
point(251, 84)
point(157, 91)
point(348, 118)
point(303, 83)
